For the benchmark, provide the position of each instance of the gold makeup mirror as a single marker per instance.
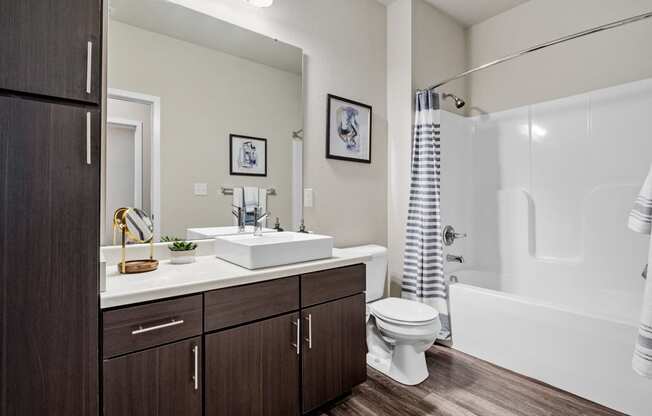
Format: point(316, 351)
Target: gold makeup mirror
point(134, 224)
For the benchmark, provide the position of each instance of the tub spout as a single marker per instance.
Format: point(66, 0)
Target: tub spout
point(452, 258)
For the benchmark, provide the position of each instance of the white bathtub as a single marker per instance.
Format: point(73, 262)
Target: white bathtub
point(577, 341)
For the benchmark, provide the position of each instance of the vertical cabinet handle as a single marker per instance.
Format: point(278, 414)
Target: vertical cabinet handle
point(89, 66)
point(297, 345)
point(88, 138)
point(309, 339)
point(195, 377)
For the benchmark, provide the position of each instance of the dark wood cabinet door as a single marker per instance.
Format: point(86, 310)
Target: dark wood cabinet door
point(44, 45)
point(49, 239)
point(334, 350)
point(253, 370)
point(163, 381)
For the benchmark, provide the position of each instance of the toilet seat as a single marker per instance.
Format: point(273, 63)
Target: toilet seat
point(403, 312)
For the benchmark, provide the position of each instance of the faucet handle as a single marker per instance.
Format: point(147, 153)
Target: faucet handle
point(450, 235)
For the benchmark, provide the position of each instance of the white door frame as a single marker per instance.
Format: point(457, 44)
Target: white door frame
point(137, 127)
point(297, 182)
point(155, 187)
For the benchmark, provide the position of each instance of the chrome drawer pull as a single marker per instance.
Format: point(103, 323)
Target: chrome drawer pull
point(298, 344)
point(88, 138)
point(309, 339)
point(195, 377)
point(89, 66)
point(142, 330)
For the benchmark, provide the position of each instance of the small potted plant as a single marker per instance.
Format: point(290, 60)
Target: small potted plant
point(181, 252)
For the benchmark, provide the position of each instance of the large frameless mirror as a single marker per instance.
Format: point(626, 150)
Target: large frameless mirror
point(203, 117)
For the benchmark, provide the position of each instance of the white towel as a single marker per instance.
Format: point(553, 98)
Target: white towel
point(262, 203)
point(238, 201)
point(254, 198)
point(250, 198)
point(640, 220)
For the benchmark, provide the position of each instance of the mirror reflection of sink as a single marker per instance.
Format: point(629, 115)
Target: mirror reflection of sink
point(273, 249)
point(212, 232)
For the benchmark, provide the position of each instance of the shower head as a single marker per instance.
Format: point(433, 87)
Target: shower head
point(459, 103)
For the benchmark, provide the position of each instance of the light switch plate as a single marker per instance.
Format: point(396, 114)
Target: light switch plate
point(201, 189)
point(308, 201)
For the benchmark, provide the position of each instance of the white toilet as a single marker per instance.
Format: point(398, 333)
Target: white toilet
point(399, 331)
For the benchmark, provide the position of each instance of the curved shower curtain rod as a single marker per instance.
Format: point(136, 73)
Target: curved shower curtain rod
point(540, 46)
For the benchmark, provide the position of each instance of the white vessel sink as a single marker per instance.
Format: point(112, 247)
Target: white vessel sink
point(273, 249)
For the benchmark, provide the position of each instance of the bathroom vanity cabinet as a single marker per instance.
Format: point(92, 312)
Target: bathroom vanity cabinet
point(280, 347)
point(161, 381)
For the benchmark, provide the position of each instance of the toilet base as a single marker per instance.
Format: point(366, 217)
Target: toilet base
point(405, 365)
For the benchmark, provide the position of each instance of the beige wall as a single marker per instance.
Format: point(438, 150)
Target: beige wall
point(438, 51)
point(345, 46)
point(205, 96)
point(424, 45)
point(400, 100)
point(598, 61)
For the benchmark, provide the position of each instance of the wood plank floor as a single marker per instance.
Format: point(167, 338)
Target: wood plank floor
point(460, 385)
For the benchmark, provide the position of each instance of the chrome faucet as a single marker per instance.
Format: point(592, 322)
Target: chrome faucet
point(452, 258)
point(238, 213)
point(258, 221)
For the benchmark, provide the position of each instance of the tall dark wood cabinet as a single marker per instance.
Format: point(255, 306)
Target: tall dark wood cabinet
point(49, 257)
point(49, 207)
point(51, 48)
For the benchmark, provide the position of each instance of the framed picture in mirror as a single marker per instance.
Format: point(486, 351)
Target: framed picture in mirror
point(348, 130)
point(248, 155)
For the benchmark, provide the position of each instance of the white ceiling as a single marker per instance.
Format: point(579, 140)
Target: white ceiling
point(470, 12)
point(176, 21)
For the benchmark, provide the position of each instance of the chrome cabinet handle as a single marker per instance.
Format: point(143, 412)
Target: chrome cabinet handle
point(309, 339)
point(142, 330)
point(297, 345)
point(89, 66)
point(88, 138)
point(195, 377)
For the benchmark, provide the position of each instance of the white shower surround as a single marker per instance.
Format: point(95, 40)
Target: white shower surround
point(544, 192)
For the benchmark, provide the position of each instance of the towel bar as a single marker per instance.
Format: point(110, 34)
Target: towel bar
point(229, 191)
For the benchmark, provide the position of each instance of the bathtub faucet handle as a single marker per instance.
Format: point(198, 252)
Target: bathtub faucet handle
point(450, 235)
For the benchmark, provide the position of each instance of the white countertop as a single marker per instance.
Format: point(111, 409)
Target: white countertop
point(208, 273)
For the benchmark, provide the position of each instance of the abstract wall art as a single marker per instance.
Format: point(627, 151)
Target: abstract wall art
point(248, 155)
point(348, 130)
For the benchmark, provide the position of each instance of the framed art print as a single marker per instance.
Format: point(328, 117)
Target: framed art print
point(248, 155)
point(348, 130)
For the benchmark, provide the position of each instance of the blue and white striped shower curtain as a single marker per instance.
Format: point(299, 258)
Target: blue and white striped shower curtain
point(423, 269)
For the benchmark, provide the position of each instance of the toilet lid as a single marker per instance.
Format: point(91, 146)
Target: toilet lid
point(403, 310)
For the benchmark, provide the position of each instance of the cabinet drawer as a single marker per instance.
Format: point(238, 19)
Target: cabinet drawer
point(241, 304)
point(332, 284)
point(139, 327)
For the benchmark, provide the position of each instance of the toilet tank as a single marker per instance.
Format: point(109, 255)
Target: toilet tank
point(376, 269)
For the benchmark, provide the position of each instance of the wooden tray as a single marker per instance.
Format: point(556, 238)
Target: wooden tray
point(138, 266)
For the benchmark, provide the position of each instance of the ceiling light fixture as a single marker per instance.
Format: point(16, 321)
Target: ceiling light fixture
point(260, 3)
